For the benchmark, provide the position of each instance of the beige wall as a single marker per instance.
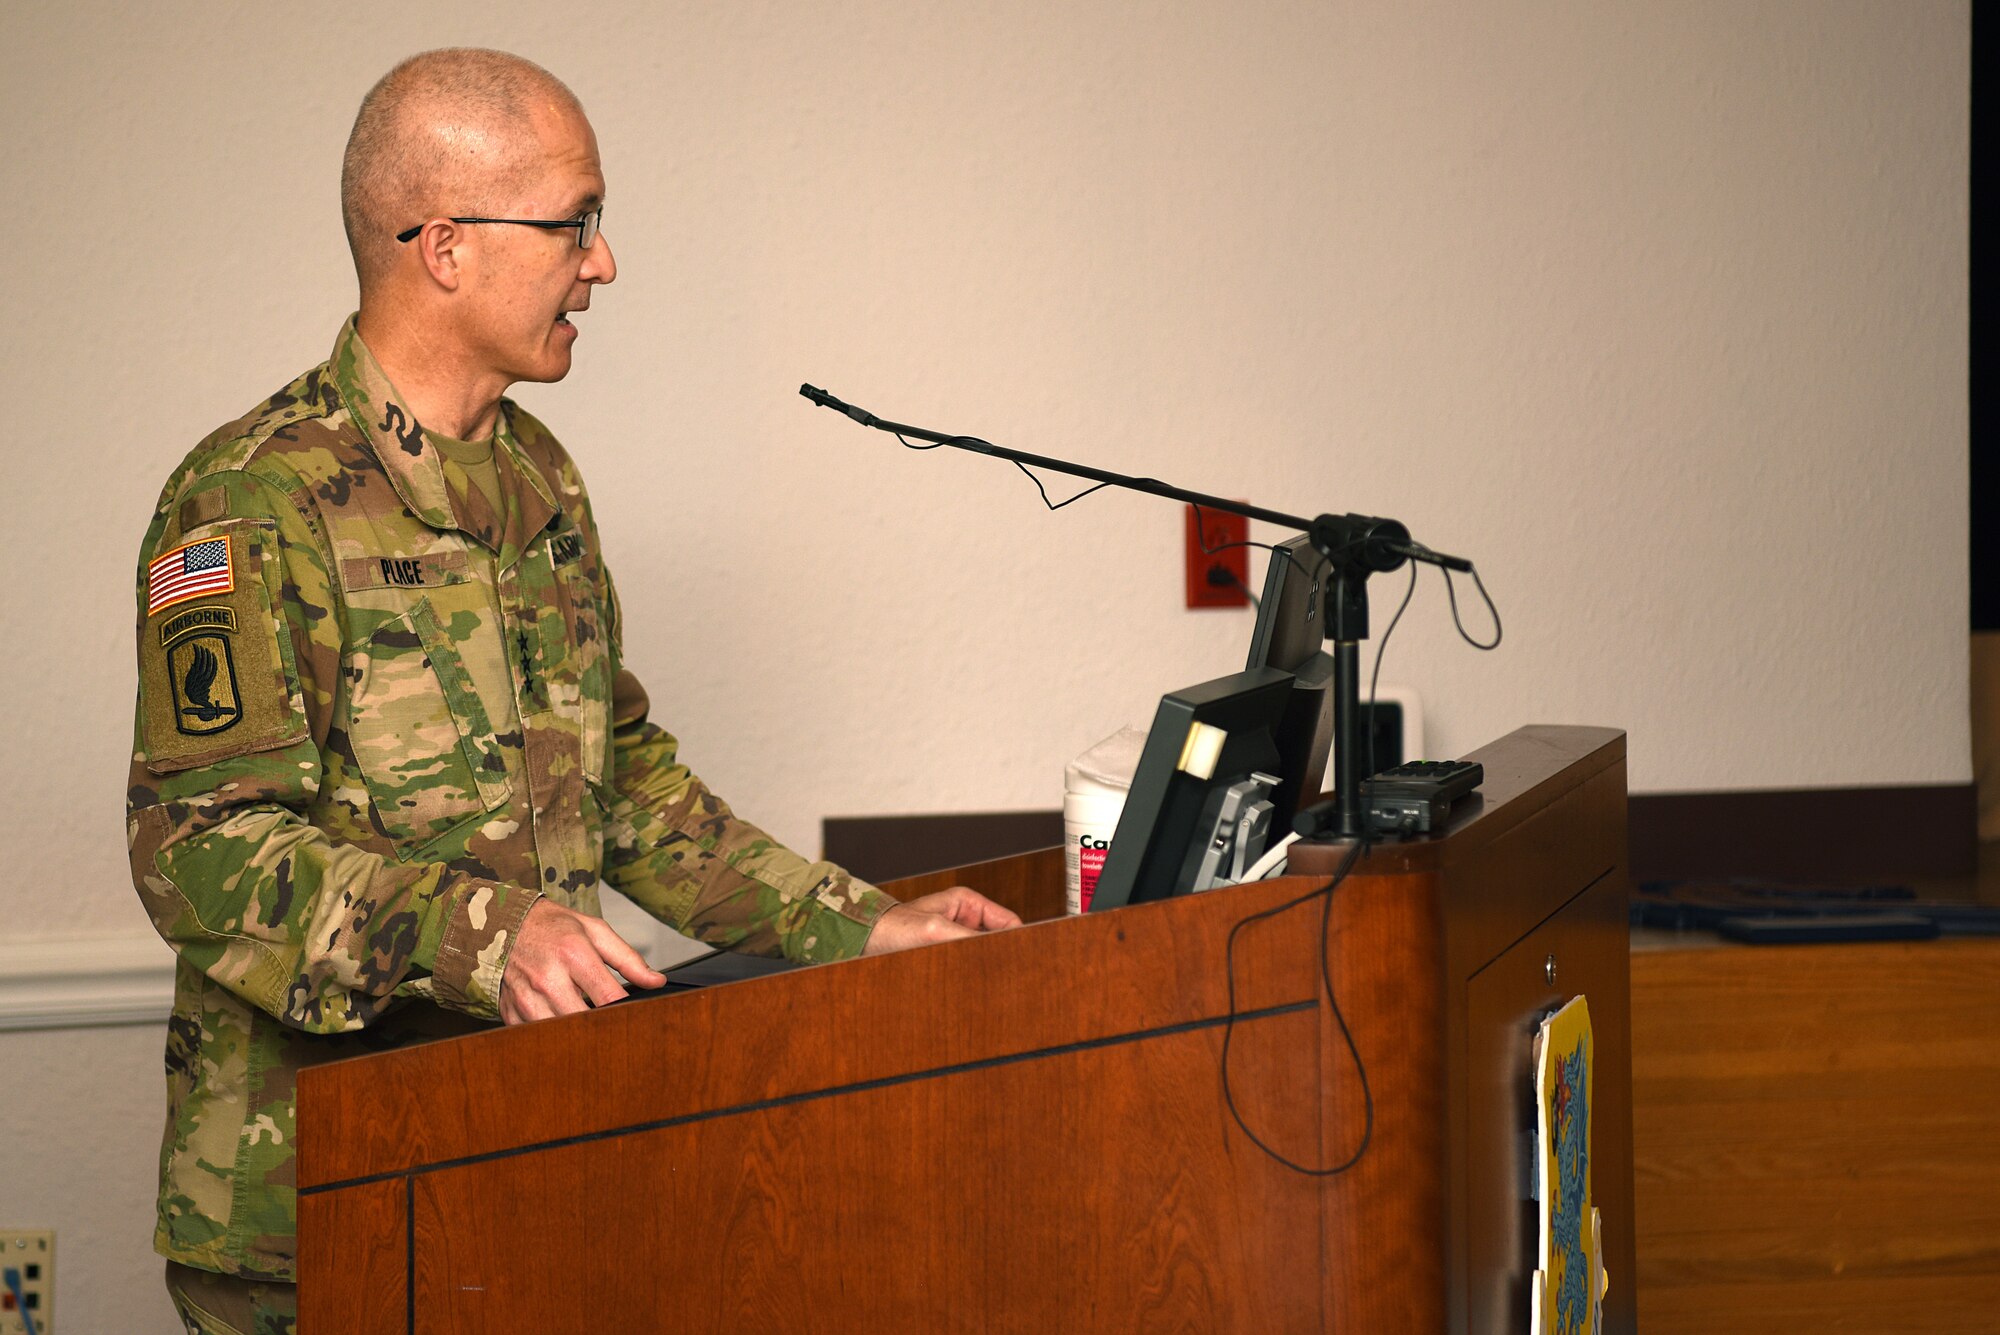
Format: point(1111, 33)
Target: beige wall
point(1656, 310)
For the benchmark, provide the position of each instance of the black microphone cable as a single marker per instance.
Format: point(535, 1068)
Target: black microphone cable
point(1325, 895)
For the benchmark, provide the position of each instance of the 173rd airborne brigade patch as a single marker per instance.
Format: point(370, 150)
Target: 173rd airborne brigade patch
point(209, 668)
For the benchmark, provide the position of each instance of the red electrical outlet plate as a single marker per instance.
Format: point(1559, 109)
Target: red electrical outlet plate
point(1209, 535)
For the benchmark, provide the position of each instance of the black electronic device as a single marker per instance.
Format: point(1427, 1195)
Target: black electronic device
point(1412, 798)
point(1291, 637)
point(1205, 774)
point(1449, 779)
point(1417, 797)
point(710, 970)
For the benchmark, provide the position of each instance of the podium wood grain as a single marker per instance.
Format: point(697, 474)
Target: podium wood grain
point(1020, 1132)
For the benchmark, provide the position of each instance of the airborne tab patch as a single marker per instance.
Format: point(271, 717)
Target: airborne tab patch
point(209, 616)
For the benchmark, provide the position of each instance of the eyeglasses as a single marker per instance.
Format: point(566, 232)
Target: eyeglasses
point(586, 226)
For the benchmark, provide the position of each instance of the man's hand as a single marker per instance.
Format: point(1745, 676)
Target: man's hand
point(944, 916)
point(563, 957)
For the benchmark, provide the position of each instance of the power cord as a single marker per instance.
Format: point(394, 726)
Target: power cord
point(12, 1279)
point(1325, 894)
point(1451, 592)
point(1382, 645)
point(1375, 673)
point(1221, 577)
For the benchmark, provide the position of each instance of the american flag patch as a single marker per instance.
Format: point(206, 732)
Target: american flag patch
point(189, 572)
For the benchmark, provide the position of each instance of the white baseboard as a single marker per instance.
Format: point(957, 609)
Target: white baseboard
point(77, 983)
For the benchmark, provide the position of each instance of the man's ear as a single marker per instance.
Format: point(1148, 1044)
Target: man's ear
point(443, 246)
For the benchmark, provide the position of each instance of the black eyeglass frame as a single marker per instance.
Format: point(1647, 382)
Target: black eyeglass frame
point(586, 227)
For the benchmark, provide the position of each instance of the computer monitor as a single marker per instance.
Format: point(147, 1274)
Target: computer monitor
point(1291, 637)
point(1206, 744)
point(1291, 615)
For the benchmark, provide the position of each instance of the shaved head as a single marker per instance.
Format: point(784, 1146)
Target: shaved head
point(444, 133)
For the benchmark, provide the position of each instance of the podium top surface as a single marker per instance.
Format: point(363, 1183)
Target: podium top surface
point(1525, 771)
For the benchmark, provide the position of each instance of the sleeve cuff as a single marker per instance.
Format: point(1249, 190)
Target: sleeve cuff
point(846, 920)
point(475, 937)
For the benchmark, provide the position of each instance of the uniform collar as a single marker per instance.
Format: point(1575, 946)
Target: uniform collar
point(416, 469)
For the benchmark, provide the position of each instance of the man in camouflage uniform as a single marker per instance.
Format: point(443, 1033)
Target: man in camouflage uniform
point(387, 744)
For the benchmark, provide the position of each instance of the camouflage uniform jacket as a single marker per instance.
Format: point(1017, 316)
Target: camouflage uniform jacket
point(377, 721)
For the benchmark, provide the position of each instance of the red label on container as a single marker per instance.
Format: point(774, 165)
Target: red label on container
point(1090, 865)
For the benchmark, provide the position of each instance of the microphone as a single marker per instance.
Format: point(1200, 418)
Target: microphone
point(826, 400)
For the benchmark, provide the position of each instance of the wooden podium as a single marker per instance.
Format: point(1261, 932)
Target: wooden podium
point(1026, 1131)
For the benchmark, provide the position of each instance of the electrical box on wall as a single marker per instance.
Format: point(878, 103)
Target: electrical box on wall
point(27, 1281)
point(1218, 564)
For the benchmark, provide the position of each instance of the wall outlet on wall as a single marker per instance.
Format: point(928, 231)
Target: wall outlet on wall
point(1218, 564)
point(27, 1280)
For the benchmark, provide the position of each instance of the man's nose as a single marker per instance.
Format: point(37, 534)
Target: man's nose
point(599, 266)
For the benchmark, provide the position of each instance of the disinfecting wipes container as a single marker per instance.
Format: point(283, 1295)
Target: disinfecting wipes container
point(1095, 786)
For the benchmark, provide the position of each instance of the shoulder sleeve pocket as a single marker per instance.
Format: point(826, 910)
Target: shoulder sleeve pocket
point(216, 674)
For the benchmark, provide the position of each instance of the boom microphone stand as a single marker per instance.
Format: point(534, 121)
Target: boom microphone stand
point(1355, 547)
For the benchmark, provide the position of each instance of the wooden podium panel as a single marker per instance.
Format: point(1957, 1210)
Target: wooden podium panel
point(1531, 890)
point(797, 1218)
point(1023, 1131)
